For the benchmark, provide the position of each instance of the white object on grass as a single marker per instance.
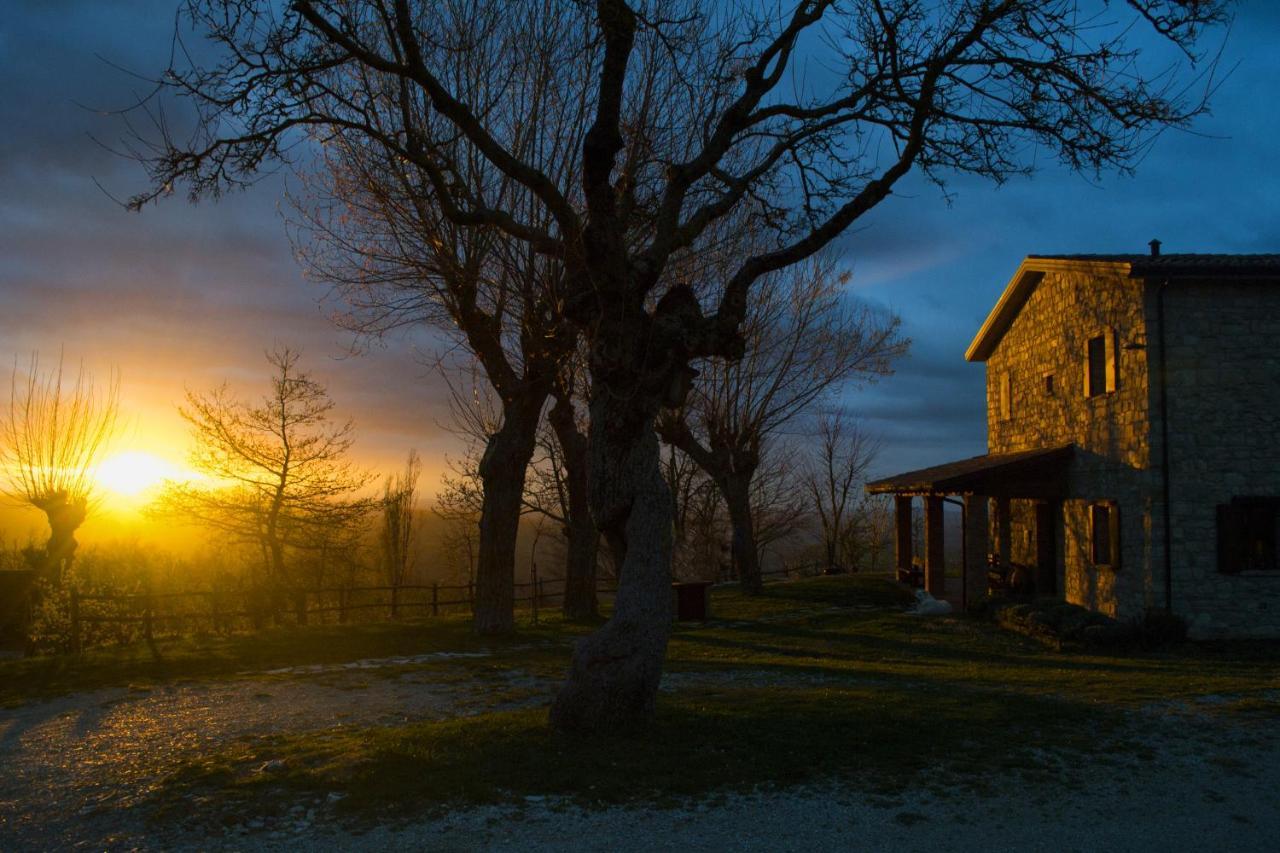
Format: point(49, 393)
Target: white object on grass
point(927, 605)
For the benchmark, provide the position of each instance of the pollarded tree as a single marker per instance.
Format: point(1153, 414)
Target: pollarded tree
point(804, 341)
point(51, 441)
point(812, 110)
point(276, 472)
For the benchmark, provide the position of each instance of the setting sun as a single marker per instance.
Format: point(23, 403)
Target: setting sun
point(132, 473)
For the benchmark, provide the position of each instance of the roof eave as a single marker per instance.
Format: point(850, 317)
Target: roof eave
point(1027, 276)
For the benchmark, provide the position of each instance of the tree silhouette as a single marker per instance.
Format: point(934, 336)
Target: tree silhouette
point(399, 504)
point(810, 111)
point(276, 472)
point(51, 441)
point(804, 341)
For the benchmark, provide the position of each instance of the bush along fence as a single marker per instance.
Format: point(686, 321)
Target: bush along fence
point(93, 619)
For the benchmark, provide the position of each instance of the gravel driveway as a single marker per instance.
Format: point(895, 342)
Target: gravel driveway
point(78, 770)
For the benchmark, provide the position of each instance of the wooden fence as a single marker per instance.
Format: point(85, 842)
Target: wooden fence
point(157, 614)
point(167, 614)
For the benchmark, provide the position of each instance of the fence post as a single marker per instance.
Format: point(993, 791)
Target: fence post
point(75, 620)
point(435, 598)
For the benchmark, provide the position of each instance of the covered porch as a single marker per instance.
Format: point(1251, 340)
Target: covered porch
point(990, 490)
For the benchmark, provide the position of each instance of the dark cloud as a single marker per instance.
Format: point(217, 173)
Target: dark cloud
point(183, 295)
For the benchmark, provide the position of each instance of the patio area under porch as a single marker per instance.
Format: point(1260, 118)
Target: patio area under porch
point(1000, 496)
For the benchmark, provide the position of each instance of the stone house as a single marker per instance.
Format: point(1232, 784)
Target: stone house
point(1133, 432)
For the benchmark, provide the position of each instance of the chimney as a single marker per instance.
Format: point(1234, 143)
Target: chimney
point(1155, 248)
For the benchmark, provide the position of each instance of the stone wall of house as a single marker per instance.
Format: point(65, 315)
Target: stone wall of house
point(1224, 430)
point(1111, 430)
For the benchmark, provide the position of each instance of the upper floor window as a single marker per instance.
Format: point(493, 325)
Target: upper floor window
point(1100, 364)
point(1247, 535)
point(1005, 390)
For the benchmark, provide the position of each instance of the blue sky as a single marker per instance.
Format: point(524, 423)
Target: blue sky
point(186, 296)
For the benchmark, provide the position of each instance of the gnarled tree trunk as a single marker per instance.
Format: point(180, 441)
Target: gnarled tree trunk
point(502, 473)
point(581, 533)
point(613, 680)
point(64, 517)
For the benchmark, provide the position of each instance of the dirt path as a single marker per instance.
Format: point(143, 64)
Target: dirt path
point(79, 769)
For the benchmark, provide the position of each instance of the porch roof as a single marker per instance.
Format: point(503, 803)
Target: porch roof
point(1038, 473)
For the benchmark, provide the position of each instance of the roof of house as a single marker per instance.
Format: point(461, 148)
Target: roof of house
point(1034, 267)
point(991, 473)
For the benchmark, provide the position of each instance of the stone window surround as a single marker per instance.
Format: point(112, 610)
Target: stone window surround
point(1113, 534)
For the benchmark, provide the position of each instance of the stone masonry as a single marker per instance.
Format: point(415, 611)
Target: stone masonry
point(1224, 424)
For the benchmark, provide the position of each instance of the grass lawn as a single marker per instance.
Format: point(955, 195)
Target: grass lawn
point(219, 657)
point(819, 679)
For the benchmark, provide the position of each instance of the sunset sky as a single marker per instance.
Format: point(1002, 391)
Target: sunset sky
point(187, 296)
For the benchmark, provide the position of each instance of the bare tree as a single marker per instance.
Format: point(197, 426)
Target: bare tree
point(699, 529)
point(834, 481)
point(276, 471)
point(399, 504)
point(51, 441)
point(803, 341)
point(812, 111)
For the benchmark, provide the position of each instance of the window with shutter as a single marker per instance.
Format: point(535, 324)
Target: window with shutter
point(1104, 534)
point(1095, 367)
point(1006, 396)
point(1247, 536)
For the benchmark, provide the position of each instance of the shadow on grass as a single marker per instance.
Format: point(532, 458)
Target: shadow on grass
point(212, 657)
point(717, 741)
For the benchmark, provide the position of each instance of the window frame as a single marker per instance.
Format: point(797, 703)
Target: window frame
point(1112, 509)
point(1245, 521)
point(1106, 382)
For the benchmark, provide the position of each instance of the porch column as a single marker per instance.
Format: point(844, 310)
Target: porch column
point(902, 537)
point(935, 569)
point(976, 547)
point(1004, 532)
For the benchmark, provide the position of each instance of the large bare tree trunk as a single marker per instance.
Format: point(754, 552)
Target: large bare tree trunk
point(613, 680)
point(65, 518)
point(502, 472)
point(746, 556)
point(583, 537)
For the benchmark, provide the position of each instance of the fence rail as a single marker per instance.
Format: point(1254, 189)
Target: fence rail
point(223, 611)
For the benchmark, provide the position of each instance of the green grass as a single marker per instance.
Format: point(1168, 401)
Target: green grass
point(837, 682)
point(219, 657)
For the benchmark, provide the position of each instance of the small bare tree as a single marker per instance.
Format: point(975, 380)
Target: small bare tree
point(276, 470)
point(51, 441)
point(834, 478)
point(399, 504)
